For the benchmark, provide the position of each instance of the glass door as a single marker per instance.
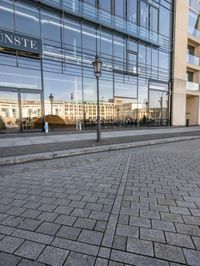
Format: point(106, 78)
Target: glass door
point(158, 107)
point(30, 104)
point(9, 112)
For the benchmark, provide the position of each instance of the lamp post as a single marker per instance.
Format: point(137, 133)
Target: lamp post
point(169, 106)
point(97, 64)
point(51, 98)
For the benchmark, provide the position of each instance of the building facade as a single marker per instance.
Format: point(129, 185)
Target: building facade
point(186, 64)
point(47, 48)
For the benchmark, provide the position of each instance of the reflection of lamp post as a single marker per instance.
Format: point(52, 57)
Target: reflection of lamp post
point(97, 64)
point(51, 98)
point(169, 106)
point(161, 107)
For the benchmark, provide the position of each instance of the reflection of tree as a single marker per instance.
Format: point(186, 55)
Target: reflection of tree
point(2, 124)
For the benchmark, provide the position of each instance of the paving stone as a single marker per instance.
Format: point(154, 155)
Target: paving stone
point(104, 252)
point(150, 214)
point(65, 220)
point(169, 252)
point(29, 224)
point(127, 230)
point(103, 216)
point(101, 262)
point(100, 226)
point(85, 223)
point(171, 217)
point(12, 221)
point(47, 216)
point(141, 222)
point(81, 213)
point(187, 229)
point(68, 232)
point(63, 210)
point(196, 242)
point(33, 214)
point(179, 240)
point(77, 259)
point(191, 220)
point(48, 228)
point(26, 262)
point(192, 257)
point(163, 225)
point(179, 210)
point(41, 238)
point(152, 235)
point(90, 237)
point(140, 246)
point(134, 259)
point(75, 246)
point(8, 259)
point(10, 244)
point(94, 206)
point(53, 256)
point(6, 230)
point(119, 242)
point(30, 250)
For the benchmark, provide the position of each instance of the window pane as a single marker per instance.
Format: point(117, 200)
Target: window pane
point(105, 5)
point(51, 27)
point(27, 19)
point(89, 39)
point(164, 24)
point(72, 34)
point(132, 10)
point(6, 14)
point(153, 19)
point(119, 8)
point(143, 14)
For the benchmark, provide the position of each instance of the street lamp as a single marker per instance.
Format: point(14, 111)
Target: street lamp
point(97, 64)
point(51, 98)
point(168, 94)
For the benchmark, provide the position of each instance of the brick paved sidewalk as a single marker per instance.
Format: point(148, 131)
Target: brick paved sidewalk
point(127, 207)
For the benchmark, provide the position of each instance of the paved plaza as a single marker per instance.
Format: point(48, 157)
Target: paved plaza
point(126, 207)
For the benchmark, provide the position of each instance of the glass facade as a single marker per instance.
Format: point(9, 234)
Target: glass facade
point(133, 39)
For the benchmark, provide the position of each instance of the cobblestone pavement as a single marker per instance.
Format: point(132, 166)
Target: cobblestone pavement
point(127, 207)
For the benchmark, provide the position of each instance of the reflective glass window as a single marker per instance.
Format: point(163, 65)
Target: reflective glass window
point(106, 43)
point(143, 14)
point(6, 14)
point(165, 22)
point(153, 19)
point(89, 39)
point(125, 86)
point(27, 19)
point(105, 5)
point(164, 60)
point(119, 8)
point(132, 62)
point(132, 10)
point(51, 27)
point(72, 34)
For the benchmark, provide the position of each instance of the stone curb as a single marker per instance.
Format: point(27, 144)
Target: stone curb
point(83, 151)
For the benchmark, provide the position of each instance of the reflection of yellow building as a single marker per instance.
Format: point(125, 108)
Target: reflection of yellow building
point(70, 111)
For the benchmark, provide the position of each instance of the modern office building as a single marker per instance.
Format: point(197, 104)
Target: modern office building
point(186, 63)
point(47, 48)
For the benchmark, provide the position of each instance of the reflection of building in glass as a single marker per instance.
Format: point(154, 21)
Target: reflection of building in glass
point(133, 39)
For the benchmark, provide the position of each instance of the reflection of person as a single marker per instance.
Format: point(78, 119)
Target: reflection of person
point(144, 119)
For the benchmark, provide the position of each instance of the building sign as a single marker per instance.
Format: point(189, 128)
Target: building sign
point(12, 40)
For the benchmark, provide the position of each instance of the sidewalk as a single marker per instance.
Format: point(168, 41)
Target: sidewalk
point(21, 148)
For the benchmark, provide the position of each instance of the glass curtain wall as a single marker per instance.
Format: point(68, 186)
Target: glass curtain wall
point(69, 47)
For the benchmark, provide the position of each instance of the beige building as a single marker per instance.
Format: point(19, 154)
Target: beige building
point(186, 63)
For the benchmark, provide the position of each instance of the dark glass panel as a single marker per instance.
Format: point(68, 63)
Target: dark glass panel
point(51, 27)
point(153, 19)
point(165, 22)
point(132, 11)
point(143, 14)
point(6, 14)
point(89, 39)
point(119, 8)
point(27, 19)
point(105, 5)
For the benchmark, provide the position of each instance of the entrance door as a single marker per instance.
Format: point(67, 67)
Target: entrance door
point(30, 104)
point(20, 110)
point(9, 112)
point(158, 107)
